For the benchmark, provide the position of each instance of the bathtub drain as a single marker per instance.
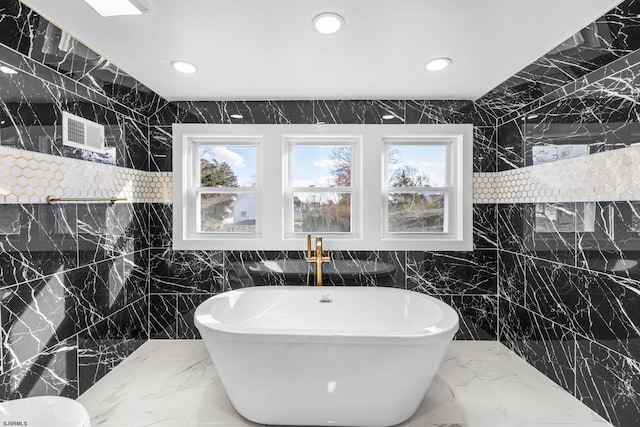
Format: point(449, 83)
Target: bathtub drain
point(325, 298)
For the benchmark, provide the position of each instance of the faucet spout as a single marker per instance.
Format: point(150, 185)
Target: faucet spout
point(318, 257)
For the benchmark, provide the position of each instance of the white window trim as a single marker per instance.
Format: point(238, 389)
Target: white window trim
point(194, 189)
point(355, 142)
point(272, 201)
point(451, 189)
point(189, 180)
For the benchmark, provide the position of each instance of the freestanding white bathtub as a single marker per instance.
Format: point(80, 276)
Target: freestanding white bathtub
point(347, 356)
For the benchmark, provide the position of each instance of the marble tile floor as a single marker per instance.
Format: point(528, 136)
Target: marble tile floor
point(172, 383)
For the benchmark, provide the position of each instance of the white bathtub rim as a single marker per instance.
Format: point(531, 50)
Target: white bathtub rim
point(447, 326)
point(328, 338)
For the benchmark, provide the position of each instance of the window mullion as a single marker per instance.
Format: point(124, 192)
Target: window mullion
point(418, 189)
point(322, 189)
point(210, 190)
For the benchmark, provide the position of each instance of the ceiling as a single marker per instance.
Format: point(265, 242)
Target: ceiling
point(268, 50)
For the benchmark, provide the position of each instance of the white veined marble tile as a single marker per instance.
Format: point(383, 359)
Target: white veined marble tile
point(170, 383)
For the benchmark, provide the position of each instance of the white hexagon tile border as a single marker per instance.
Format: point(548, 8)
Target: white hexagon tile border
point(29, 177)
point(608, 176)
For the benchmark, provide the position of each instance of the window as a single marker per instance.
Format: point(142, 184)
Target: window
point(227, 188)
point(321, 186)
point(362, 187)
point(419, 188)
point(222, 188)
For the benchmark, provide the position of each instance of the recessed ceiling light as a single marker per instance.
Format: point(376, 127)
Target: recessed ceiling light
point(7, 70)
point(328, 23)
point(236, 116)
point(388, 116)
point(117, 7)
point(184, 67)
point(438, 64)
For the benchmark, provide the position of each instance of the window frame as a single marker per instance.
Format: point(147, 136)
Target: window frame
point(353, 141)
point(450, 189)
point(272, 175)
point(193, 188)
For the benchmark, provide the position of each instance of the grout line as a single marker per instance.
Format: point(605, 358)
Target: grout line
point(575, 366)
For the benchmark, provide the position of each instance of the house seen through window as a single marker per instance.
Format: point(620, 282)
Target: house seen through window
point(227, 191)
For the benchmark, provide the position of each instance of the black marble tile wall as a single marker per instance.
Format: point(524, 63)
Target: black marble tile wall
point(441, 112)
point(364, 112)
point(569, 273)
point(580, 329)
point(163, 315)
point(509, 153)
point(611, 240)
point(187, 271)
point(54, 327)
point(31, 119)
point(452, 273)
point(181, 278)
point(102, 346)
point(544, 230)
point(51, 372)
point(36, 241)
point(74, 278)
point(485, 234)
point(328, 112)
point(32, 35)
point(609, 38)
point(466, 281)
point(608, 383)
point(83, 286)
point(485, 155)
point(160, 154)
point(512, 273)
point(160, 225)
point(607, 311)
point(478, 316)
point(544, 344)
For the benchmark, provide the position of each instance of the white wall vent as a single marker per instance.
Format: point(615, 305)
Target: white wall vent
point(82, 133)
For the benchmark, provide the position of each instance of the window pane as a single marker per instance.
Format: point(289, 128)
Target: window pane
point(321, 166)
point(227, 166)
point(316, 212)
point(417, 166)
point(228, 212)
point(416, 212)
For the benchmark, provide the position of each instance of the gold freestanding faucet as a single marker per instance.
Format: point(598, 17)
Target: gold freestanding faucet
point(318, 257)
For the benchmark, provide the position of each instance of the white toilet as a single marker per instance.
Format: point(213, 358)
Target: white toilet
point(45, 411)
